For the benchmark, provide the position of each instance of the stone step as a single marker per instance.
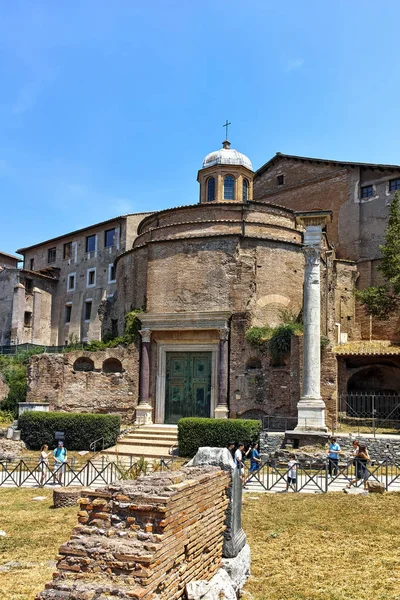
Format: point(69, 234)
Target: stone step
point(152, 436)
point(132, 450)
point(148, 443)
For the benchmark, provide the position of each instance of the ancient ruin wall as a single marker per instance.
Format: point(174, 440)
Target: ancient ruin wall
point(145, 539)
point(92, 386)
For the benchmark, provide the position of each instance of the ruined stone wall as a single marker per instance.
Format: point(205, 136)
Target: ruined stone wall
point(58, 379)
point(8, 280)
point(146, 539)
point(4, 389)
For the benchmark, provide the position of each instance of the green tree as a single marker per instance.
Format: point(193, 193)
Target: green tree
point(380, 301)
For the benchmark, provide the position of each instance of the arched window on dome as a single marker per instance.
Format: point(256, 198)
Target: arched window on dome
point(229, 188)
point(211, 189)
point(245, 190)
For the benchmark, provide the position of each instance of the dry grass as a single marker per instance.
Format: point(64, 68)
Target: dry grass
point(304, 547)
point(323, 547)
point(34, 533)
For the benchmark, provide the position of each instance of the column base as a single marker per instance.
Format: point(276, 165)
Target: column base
point(144, 414)
point(311, 415)
point(221, 412)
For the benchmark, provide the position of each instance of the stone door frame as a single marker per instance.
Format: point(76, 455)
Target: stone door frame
point(163, 348)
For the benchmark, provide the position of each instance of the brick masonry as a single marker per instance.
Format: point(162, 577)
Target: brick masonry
point(57, 378)
point(145, 539)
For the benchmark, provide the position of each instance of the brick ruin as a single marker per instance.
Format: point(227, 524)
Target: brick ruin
point(147, 539)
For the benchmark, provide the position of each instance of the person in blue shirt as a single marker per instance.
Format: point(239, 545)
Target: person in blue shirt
point(333, 457)
point(60, 460)
point(255, 460)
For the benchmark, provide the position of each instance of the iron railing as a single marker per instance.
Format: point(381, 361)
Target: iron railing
point(314, 476)
point(365, 412)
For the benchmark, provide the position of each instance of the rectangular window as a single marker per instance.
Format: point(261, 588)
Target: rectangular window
point(71, 282)
point(88, 310)
point(367, 191)
point(68, 250)
point(68, 308)
point(280, 180)
point(29, 286)
point(31, 263)
point(91, 278)
point(27, 319)
point(111, 273)
point(51, 255)
point(394, 184)
point(109, 237)
point(91, 243)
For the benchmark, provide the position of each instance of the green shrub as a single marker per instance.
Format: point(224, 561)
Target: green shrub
point(216, 433)
point(6, 417)
point(80, 429)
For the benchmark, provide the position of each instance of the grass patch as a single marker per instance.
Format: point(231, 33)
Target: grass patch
point(34, 534)
point(323, 547)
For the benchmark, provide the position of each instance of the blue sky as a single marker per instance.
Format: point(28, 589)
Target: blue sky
point(109, 107)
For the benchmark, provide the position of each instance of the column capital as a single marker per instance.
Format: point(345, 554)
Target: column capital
point(223, 334)
point(146, 335)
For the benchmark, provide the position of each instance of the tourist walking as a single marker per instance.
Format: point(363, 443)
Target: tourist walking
point(292, 473)
point(333, 457)
point(44, 463)
point(60, 458)
point(239, 459)
point(255, 460)
point(361, 460)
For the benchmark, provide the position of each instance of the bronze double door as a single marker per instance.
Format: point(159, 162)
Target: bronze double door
point(188, 385)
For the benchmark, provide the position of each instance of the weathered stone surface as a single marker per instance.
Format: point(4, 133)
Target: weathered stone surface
point(234, 535)
point(55, 377)
point(238, 568)
point(220, 587)
point(144, 538)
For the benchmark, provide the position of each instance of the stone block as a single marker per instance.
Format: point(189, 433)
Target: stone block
point(218, 588)
point(238, 568)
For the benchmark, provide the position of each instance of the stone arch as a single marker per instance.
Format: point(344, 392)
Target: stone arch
point(83, 363)
point(255, 413)
point(112, 365)
point(253, 364)
point(376, 378)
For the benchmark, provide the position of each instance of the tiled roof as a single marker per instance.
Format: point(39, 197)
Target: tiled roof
point(10, 255)
point(345, 163)
point(367, 348)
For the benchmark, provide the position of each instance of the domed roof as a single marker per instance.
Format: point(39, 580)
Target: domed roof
point(227, 156)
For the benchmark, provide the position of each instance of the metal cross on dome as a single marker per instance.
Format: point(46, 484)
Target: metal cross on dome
point(226, 126)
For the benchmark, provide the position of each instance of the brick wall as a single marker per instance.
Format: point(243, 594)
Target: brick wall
point(55, 378)
point(144, 539)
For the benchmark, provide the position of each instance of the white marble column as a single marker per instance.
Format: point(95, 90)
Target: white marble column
point(311, 407)
point(144, 410)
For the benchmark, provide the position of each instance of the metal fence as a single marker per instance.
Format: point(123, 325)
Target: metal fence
point(324, 476)
point(25, 474)
point(370, 412)
point(17, 348)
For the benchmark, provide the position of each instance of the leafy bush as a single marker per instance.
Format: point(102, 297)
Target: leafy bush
point(259, 336)
point(13, 372)
point(80, 429)
point(6, 417)
point(279, 343)
point(195, 432)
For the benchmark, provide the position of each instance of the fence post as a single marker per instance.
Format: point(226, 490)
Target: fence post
point(386, 474)
point(326, 475)
point(373, 414)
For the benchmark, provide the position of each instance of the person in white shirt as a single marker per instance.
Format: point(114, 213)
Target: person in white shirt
point(239, 459)
point(292, 473)
point(44, 463)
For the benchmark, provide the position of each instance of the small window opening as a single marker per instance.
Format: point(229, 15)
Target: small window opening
point(91, 243)
point(88, 310)
point(229, 188)
point(71, 283)
point(28, 319)
point(51, 255)
point(245, 190)
point(367, 191)
point(31, 263)
point(280, 180)
point(211, 189)
point(394, 184)
point(109, 237)
point(67, 250)
point(29, 285)
point(68, 309)
point(91, 277)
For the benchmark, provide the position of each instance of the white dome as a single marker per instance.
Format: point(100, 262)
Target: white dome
point(227, 156)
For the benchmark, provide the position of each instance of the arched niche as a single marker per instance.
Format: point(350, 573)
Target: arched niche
point(83, 363)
